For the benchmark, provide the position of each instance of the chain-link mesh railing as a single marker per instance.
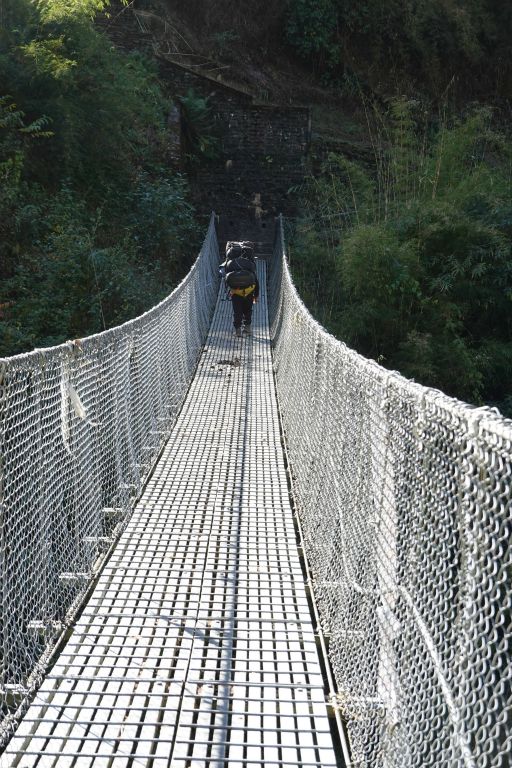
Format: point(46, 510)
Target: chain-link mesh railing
point(81, 425)
point(405, 502)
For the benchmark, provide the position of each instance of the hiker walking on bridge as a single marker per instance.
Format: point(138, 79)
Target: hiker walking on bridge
point(240, 275)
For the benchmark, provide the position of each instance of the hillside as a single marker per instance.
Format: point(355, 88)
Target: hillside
point(285, 49)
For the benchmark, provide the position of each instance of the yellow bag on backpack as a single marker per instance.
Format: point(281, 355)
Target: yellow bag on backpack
point(243, 291)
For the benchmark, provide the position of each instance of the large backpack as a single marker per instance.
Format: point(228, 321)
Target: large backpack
point(240, 263)
point(233, 249)
point(240, 267)
point(240, 273)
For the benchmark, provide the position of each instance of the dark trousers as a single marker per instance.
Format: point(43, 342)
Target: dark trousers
point(242, 309)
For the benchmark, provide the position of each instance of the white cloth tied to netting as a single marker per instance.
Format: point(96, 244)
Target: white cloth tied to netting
point(70, 402)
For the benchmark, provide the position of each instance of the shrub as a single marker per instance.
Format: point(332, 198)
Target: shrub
point(423, 254)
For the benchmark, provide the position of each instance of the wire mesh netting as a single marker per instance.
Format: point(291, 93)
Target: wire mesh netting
point(403, 494)
point(81, 426)
point(404, 497)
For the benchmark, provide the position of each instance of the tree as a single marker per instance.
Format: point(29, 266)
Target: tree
point(94, 229)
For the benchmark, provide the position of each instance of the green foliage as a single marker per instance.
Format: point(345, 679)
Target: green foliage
point(162, 222)
point(311, 261)
point(93, 229)
point(311, 28)
point(62, 10)
point(102, 105)
point(14, 132)
point(81, 273)
point(197, 128)
point(418, 260)
point(16, 136)
point(224, 44)
point(426, 41)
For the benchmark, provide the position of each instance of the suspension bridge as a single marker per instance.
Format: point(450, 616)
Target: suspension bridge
point(156, 609)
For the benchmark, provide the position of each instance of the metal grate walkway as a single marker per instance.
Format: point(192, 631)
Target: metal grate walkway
point(196, 648)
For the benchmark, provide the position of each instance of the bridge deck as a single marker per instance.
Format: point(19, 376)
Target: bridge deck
point(196, 647)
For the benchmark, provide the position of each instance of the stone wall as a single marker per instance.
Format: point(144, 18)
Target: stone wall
point(263, 148)
point(263, 155)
